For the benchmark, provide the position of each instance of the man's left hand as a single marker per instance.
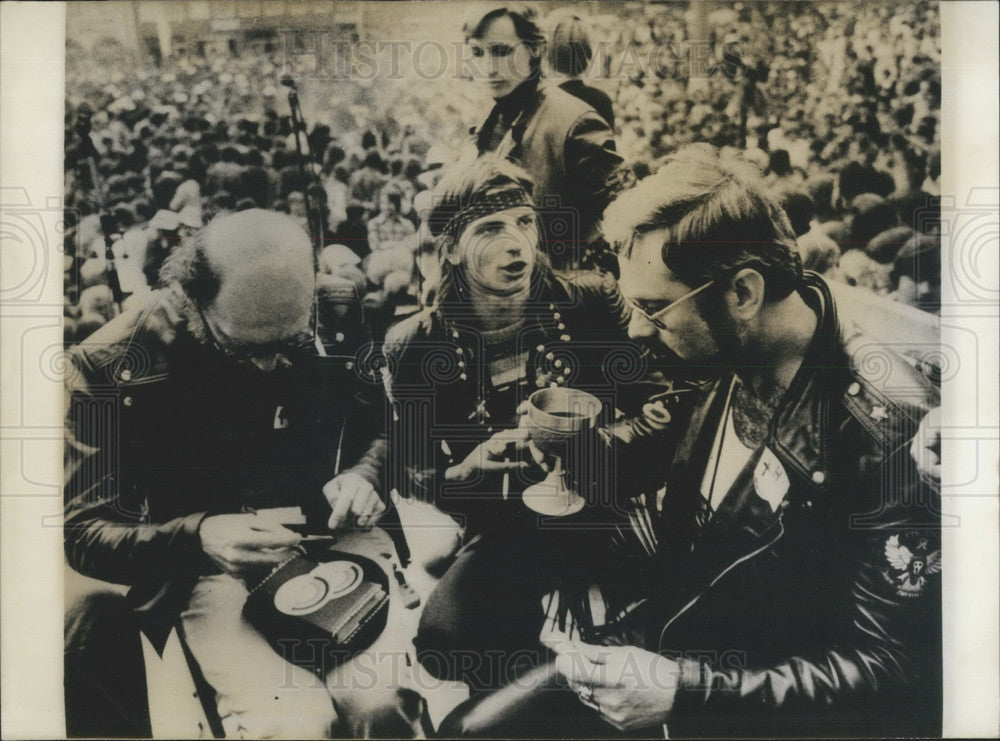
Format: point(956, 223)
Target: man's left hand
point(352, 497)
point(629, 687)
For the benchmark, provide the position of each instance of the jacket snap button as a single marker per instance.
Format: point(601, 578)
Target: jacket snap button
point(126, 375)
point(854, 389)
point(127, 401)
point(818, 477)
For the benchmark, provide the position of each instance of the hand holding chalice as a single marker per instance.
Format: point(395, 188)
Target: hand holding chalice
point(557, 419)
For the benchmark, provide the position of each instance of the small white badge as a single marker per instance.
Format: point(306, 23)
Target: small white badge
point(770, 480)
point(280, 419)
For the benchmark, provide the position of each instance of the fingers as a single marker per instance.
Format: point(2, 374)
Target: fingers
point(503, 441)
point(586, 695)
point(578, 670)
point(924, 455)
point(538, 456)
point(351, 496)
point(368, 509)
point(340, 503)
point(268, 536)
point(254, 557)
point(503, 466)
point(580, 663)
point(550, 635)
point(596, 655)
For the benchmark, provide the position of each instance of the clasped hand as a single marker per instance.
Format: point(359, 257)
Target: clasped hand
point(629, 687)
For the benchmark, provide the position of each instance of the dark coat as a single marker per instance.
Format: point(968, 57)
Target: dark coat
point(568, 150)
point(442, 396)
point(592, 96)
point(818, 614)
point(164, 431)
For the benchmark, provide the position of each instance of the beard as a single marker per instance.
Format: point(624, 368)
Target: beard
point(659, 356)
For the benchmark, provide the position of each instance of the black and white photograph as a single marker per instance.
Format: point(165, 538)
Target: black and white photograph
point(511, 370)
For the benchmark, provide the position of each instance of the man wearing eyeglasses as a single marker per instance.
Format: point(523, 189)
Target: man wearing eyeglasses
point(239, 387)
point(794, 587)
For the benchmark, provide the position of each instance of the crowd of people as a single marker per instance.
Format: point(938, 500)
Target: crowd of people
point(842, 118)
point(367, 300)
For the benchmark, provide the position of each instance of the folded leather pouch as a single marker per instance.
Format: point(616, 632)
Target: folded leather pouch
point(319, 613)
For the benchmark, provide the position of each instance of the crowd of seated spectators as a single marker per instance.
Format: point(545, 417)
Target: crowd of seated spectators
point(839, 106)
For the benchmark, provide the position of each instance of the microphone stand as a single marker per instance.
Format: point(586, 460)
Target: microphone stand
point(298, 125)
point(108, 226)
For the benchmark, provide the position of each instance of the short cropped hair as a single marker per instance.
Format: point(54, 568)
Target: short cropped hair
point(189, 266)
point(719, 219)
point(569, 45)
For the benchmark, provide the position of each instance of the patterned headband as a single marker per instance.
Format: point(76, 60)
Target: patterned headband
point(483, 207)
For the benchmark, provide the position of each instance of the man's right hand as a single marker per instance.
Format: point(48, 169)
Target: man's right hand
point(238, 543)
point(502, 453)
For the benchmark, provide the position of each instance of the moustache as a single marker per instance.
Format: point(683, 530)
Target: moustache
point(658, 355)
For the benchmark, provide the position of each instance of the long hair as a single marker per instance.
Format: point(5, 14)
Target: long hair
point(459, 186)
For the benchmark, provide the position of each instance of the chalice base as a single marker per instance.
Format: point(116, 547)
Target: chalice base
point(552, 498)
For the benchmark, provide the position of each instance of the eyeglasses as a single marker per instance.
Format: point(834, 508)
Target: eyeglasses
point(298, 344)
point(654, 318)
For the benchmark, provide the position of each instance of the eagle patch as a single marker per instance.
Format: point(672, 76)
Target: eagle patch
point(910, 567)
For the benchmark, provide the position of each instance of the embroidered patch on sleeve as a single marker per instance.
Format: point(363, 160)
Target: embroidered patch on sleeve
point(912, 563)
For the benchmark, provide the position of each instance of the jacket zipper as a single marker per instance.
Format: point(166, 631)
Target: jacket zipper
point(730, 567)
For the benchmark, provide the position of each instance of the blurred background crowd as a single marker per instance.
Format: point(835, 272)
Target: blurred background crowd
point(838, 104)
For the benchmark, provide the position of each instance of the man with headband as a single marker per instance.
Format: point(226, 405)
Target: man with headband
point(500, 326)
point(794, 586)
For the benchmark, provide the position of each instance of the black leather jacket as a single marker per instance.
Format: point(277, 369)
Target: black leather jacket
point(819, 616)
point(820, 613)
point(163, 431)
point(568, 150)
